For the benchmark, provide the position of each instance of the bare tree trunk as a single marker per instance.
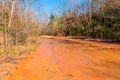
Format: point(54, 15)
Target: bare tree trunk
point(5, 34)
point(89, 13)
point(10, 20)
point(5, 27)
point(27, 15)
point(11, 14)
point(97, 5)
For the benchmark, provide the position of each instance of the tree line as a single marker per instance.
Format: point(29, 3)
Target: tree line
point(93, 19)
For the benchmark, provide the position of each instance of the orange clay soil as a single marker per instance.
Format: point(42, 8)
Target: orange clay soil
point(61, 59)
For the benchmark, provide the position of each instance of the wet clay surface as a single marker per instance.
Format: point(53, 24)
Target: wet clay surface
point(66, 60)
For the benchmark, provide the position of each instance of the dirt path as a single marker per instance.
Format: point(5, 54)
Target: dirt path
point(64, 60)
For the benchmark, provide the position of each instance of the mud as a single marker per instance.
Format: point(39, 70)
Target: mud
point(61, 59)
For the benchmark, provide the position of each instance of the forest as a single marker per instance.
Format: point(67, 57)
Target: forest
point(95, 19)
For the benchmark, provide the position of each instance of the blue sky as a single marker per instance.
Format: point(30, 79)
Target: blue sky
point(49, 6)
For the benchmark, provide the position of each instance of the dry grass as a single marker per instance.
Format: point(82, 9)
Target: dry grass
point(10, 56)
